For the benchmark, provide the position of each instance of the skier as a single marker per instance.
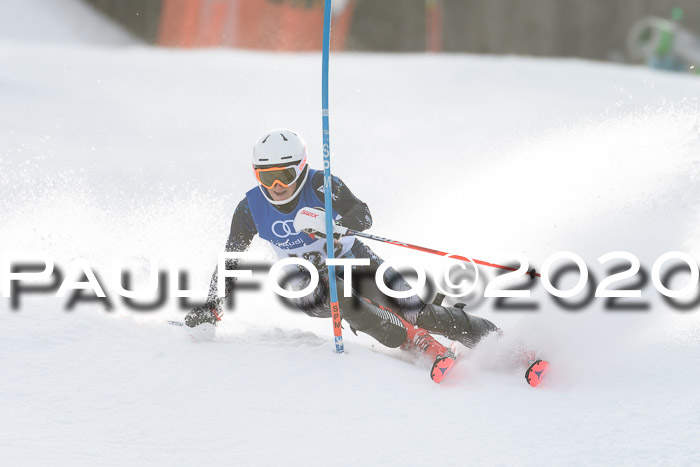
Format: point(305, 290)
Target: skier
point(286, 185)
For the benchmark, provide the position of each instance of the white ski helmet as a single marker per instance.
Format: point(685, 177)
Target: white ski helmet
point(279, 157)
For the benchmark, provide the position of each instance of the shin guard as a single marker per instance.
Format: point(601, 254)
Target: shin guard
point(454, 324)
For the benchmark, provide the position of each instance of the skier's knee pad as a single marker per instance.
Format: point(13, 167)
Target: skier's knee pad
point(454, 324)
point(379, 323)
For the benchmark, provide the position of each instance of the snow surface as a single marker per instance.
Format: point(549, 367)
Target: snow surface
point(139, 152)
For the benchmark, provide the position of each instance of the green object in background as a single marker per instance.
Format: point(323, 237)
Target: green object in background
point(667, 32)
point(665, 44)
point(677, 14)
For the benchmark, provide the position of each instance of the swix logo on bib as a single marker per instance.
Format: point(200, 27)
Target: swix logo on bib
point(278, 228)
point(310, 214)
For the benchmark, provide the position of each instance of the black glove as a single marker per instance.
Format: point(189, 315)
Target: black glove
point(322, 234)
point(201, 315)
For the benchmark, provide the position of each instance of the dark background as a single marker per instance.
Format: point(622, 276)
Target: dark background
point(594, 29)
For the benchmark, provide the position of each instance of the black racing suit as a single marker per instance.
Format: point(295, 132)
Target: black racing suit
point(368, 308)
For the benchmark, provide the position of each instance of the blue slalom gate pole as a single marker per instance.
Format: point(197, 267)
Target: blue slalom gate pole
point(335, 308)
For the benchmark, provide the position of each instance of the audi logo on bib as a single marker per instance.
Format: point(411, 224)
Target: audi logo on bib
point(284, 229)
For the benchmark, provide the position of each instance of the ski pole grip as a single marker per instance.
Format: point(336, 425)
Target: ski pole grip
point(315, 219)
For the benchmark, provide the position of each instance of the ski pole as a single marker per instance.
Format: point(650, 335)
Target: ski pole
point(532, 273)
point(335, 307)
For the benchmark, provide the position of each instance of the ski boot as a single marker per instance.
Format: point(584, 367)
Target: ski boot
point(443, 357)
point(392, 330)
point(455, 324)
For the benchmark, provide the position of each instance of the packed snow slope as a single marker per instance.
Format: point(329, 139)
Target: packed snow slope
point(140, 153)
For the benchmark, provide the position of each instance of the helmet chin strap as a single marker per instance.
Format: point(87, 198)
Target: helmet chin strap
point(300, 185)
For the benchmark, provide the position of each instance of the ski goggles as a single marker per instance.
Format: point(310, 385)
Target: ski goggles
point(284, 176)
